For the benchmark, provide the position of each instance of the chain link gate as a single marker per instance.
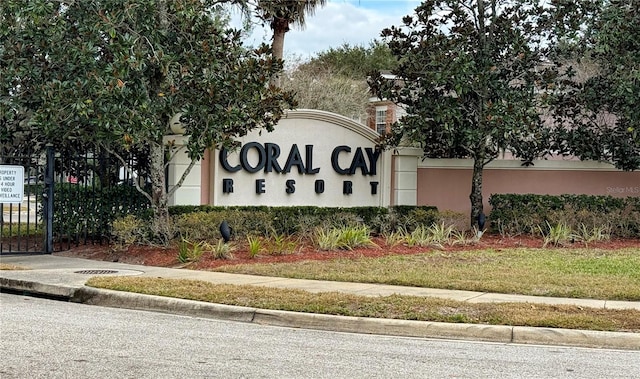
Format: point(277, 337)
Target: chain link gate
point(69, 200)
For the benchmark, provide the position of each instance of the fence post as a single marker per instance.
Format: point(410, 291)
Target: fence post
point(48, 200)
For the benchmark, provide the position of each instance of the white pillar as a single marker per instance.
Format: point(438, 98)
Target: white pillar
point(189, 191)
point(405, 176)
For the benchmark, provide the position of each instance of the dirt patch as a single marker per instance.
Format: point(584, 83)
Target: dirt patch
point(167, 257)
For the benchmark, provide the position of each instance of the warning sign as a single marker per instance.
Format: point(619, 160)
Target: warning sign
point(11, 184)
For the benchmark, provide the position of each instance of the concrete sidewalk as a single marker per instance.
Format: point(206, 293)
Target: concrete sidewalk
point(64, 278)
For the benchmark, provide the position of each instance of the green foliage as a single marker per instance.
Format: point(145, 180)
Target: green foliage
point(394, 238)
point(279, 15)
point(125, 88)
point(80, 211)
point(458, 220)
point(435, 235)
point(418, 237)
point(557, 235)
point(461, 237)
point(440, 233)
point(403, 217)
point(198, 225)
point(178, 210)
point(21, 230)
point(325, 90)
point(255, 246)
point(280, 244)
point(593, 234)
point(202, 222)
point(353, 237)
point(129, 230)
point(597, 114)
point(469, 77)
point(327, 238)
point(346, 238)
point(514, 214)
point(220, 250)
point(355, 62)
point(190, 251)
point(114, 72)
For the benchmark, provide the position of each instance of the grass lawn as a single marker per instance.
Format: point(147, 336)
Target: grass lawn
point(602, 274)
point(581, 273)
point(393, 307)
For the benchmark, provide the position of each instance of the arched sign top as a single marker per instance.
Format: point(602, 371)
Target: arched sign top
point(311, 157)
point(335, 119)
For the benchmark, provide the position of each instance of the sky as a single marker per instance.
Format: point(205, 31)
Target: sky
point(356, 22)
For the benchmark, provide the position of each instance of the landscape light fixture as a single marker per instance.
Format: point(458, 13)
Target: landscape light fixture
point(225, 231)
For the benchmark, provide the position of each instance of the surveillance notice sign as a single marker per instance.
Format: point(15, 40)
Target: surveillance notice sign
point(11, 184)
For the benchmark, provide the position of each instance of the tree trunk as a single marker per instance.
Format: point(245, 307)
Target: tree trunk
point(476, 190)
point(280, 28)
point(160, 225)
point(278, 43)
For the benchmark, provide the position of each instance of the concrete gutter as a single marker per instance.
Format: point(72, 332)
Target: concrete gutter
point(404, 328)
point(64, 279)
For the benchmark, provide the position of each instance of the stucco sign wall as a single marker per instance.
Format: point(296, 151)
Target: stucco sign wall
point(311, 158)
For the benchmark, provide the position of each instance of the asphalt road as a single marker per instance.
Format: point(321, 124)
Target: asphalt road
point(49, 339)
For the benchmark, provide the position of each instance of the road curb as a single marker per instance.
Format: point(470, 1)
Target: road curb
point(128, 300)
point(576, 337)
point(36, 288)
point(403, 328)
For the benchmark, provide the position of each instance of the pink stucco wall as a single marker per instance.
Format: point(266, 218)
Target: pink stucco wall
point(449, 188)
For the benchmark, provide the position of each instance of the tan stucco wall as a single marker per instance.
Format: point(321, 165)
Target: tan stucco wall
point(447, 183)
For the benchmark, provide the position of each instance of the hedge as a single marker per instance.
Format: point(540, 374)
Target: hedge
point(526, 213)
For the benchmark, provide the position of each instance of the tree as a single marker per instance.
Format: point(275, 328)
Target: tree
point(336, 79)
point(470, 77)
point(325, 89)
point(598, 114)
point(281, 14)
point(113, 73)
point(355, 62)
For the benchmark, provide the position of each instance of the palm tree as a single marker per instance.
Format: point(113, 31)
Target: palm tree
point(280, 14)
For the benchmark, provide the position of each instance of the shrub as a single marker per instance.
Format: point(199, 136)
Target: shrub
point(461, 237)
point(327, 238)
point(557, 235)
point(440, 233)
point(199, 226)
point(22, 230)
point(190, 251)
point(81, 211)
point(202, 222)
point(458, 220)
point(394, 238)
point(280, 244)
point(129, 230)
point(346, 237)
point(352, 237)
point(517, 214)
point(221, 250)
point(255, 246)
point(435, 235)
point(593, 234)
point(410, 217)
point(403, 218)
point(418, 237)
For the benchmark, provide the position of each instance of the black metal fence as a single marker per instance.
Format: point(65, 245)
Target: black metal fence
point(70, 199)
point(22, 225)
